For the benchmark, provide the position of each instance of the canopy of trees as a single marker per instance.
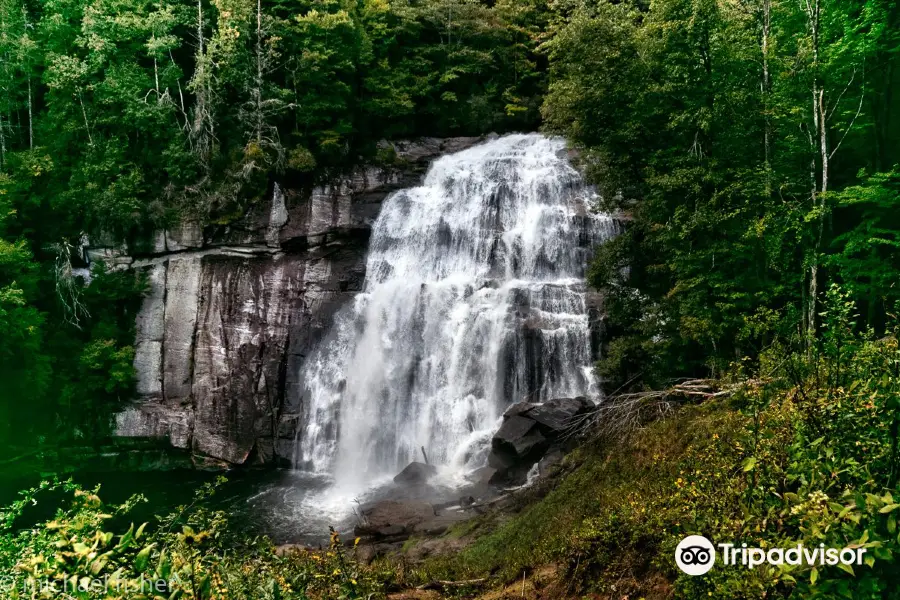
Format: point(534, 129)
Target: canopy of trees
point(754, 145)
point(117, 116)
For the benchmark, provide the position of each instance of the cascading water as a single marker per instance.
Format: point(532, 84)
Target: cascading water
point(474, 298)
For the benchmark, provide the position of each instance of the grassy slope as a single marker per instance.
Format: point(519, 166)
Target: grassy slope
point(613, 517)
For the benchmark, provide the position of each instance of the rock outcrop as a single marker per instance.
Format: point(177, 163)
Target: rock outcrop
point(233, 310)
point(391, 521)
point(532, 434)
point(414, 473)
point(392, 518)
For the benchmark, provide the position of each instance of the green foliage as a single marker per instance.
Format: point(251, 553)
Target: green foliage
point(695, 120)
point(191, 553)
point(866, 255)
point(119, 116)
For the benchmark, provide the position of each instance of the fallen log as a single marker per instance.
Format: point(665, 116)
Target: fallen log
point(439, 585)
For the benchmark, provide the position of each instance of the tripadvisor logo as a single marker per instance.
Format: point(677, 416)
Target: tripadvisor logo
point(696, 555)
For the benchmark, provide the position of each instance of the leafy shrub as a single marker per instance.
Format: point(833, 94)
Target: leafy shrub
point(193, 553)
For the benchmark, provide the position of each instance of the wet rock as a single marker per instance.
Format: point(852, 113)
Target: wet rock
point(182, 299)
point(415, 472)
point(287, 426)
point(528, 431)
point(482, 475)
point(507, 475)
point(439, 524)
point(156, 420)
point(209, 463)
point(392, 531)
point(366, 553)
point(550, 460)
point(149, 243)
point(433, 529)
point(242, 327)
point(184, 236)
point(499, 462)
point(512, 430)
point(480, 484)
point(149, 335)
point(516, 446)
point(393, 518)
point(518, 437)
point(284, 452)
point(264, 452)
point(519, 408)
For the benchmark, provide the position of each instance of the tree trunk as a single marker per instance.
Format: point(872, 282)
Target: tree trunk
point(87, 125)
point(258, 117)
point(766, 92)
point(2, 144)
point(813, 12)
point(30, 117)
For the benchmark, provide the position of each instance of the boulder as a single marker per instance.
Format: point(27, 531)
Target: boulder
point(528, 431)
point(366, 553)
point(517, 445)
point(558, 414)
point(415, 472)
point(519, 409)
point(479, 484)
point(392, 531)
point(392, 518)
point(498, 463)
point(481, 476)
point(507, 475)
point(553, 457)
point(513, 429)
point(517, 437)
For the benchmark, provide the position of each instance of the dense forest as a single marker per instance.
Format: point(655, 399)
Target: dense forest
point(754, 144)
point(119, 117)
point(752, 148)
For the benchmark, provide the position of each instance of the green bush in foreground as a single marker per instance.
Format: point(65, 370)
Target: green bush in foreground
point(190, 554)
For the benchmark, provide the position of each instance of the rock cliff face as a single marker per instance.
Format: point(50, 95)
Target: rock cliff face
point(233, 310)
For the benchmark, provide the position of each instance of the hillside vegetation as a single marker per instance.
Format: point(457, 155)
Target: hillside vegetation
point(806, 455)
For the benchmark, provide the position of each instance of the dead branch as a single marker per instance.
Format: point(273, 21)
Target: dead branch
point(442, 585)
point(622, 414)
point(68, 291)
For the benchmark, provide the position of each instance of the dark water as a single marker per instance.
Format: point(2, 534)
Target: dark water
point(287, 506)
point(279, 504)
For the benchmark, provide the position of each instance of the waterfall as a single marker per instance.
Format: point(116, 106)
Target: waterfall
point(474, 298)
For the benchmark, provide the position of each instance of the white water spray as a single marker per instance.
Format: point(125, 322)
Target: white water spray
point(474, 298)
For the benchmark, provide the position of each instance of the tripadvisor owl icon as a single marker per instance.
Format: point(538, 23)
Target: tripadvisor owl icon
point(695, 555)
